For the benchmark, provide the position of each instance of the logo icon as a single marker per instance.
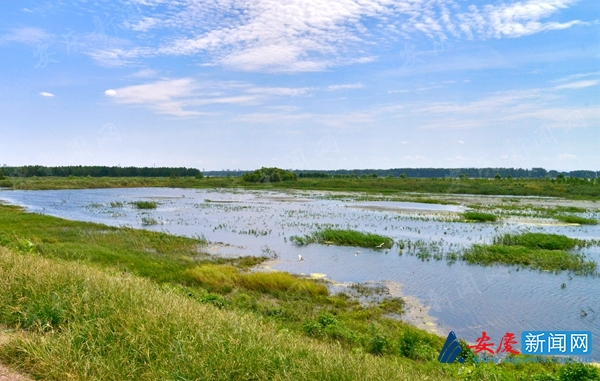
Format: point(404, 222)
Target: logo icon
point(451, 350)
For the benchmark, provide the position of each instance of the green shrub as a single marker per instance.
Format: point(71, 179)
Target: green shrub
point(578, 372)
point(269, 175)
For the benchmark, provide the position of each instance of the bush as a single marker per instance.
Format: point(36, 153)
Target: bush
point(578, 372)
point(269, 175)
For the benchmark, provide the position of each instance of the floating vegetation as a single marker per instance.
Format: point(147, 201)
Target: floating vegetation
point(145, 204)
point(149, 221)
point(345, 238)
point(116, 204)
point(538, 251)
point(479, 216)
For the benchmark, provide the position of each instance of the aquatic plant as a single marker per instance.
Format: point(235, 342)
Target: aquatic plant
point(570, 219)
point(145, 204)
point(345, 237)
point(479, 216)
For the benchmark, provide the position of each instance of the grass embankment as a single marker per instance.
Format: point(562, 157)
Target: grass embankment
point(576, 189)
point(89, 325)
point(345, 238)
point(538, 251)
point(97, 302)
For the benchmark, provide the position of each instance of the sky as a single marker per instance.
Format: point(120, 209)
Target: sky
point(301, 84)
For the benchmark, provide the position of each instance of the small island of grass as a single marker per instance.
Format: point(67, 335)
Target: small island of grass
point(345, 238)
point(538, 251)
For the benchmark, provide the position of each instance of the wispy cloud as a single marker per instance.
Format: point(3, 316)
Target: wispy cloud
point(579, 84)
point(178, 97)
point(350, 86)
point(28, 36)
point(164, 97)
point(313, 35)
point(46, 94)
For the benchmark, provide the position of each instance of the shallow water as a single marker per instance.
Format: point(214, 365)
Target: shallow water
point(464, 298)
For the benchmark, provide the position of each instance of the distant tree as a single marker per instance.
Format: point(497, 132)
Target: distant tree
point(498, 176)
point(509, 177)
point(269, 175)
point(1, 175)
point(403, 175)
point(199, 176)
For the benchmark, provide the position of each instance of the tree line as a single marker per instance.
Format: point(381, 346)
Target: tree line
point(98, 171)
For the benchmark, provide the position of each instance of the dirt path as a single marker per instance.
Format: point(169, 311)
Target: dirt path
point(7, 374)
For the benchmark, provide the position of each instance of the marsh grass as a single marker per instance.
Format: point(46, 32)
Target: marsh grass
point(533, 250)
point(99, 302)
point(479, 216)
point(85, 324)
point(145, 204)
point(570, 219)
point(345, 238)
point(517, 187)
point(224, 278)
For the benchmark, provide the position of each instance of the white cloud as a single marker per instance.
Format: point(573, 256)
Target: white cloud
point(566, 156)
point(345, 87)
point(279, 91)
point(46, 94)
point(28, 35)
point(177, 96)
point(164, 97)
point(314, 35)
point(579, 84)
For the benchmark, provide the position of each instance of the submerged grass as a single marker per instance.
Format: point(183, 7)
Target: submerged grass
point(345, 238)
point(538, 251)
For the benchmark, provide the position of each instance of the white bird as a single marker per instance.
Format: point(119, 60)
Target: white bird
point(380, 245)
point(300, 258)
point(356, 254)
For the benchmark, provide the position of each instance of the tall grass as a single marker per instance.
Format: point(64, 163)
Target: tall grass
point(83, 324)
point(533, 250)
point(345, 238)
point(224, 278)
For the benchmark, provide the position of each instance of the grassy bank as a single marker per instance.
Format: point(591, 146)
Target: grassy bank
point(84, 324)
point(538, 251)
point(516, 187)
point(345, 238)
point(97, 302)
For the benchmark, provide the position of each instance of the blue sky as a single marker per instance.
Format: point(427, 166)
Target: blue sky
point(304, 84)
